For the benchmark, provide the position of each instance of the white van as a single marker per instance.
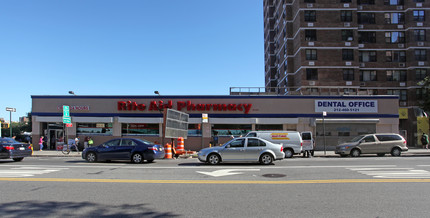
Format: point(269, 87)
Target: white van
point(290, 140)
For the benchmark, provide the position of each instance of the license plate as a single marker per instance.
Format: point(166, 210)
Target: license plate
point(21, 148)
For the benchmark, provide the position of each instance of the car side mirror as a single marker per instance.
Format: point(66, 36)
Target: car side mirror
point(227, 146)
point(106, 146)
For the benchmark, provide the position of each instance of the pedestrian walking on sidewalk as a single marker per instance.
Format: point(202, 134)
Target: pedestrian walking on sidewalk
point(425, 140)
point(41, 143)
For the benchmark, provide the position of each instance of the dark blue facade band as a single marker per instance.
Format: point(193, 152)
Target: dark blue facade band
point(211, 97)
point(199, 115)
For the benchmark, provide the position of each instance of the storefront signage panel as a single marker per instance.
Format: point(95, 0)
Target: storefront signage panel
point(180, 106)
point(347, 106)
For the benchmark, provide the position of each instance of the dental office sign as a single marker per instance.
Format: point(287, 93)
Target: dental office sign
point(347, 106)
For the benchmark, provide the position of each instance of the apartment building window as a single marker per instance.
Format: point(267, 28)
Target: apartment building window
point(420, 74)
point(347, 54)
point(395, 37)
point(421, 94)
point(348, 74)
point(312, 74)
point(420, 55)
point(394, 18)
point(311, 35)
point(420, 35)
point(367, 56)
point(345, 1)
point(393, 2)
point(419, 15)
point(367, 75)
point(346, 16)
point(309, 1)
point(310, 16)
point(311, 54)
point(366, 37)
point(366, 18)
point(347, 35)
point(395, 56)
point(366, 2)
point(396, 75)
point(403, 94)
point(419, 0)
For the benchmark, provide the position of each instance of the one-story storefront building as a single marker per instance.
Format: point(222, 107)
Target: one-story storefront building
point(107, 117)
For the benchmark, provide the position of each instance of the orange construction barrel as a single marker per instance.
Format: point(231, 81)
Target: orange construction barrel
point(180, 149)
point(168, 150)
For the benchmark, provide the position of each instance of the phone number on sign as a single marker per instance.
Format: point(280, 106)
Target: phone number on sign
point(346, 110)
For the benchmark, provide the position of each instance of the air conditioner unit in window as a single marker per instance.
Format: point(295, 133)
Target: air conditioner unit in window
point(285, 55)
point(311, 83)
point(362, 84)
point(348, 83)
point(346, 5)
point(401, 45)
point(360, 7)
point(361, 26)
point(420, 43)
point(403, 103)
point(350, 38)
point(347, 24)
point(362, 65)
point(402, 84)
point(400, 7)
point(310, 5)
point(402, 64)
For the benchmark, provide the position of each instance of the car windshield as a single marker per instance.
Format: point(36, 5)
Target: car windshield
point(227, 143)
point(357, 138)
point(7, 141)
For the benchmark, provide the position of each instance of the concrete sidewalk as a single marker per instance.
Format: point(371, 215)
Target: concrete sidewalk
point(411, 152)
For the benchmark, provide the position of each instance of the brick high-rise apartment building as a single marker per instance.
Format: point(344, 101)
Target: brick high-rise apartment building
point(376, 47)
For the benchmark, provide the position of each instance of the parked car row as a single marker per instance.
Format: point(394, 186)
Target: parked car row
point(257, 146)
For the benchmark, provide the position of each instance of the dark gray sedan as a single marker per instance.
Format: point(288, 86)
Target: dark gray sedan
point(9, 148)
point(249, 149)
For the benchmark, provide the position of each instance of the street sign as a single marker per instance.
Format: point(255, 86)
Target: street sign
point(66, 114)
point(69, 125)
point(66, 111)
point(67, 120)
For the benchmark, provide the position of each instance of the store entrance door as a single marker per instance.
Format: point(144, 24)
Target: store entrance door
point(55, 138)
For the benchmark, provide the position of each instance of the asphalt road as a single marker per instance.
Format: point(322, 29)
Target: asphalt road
point(298, 187)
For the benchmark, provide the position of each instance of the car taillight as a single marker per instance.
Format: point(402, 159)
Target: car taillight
point(152, 148)
point(301, 144)
point(29, 147)
point(282, 149)
point(10, 147)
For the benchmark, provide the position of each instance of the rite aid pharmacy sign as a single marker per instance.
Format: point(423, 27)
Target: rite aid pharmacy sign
point(347, 106)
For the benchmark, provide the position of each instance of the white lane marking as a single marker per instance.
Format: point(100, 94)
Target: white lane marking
point(226, 172)
point(28, 171)
point(145, 166)
point(393, 173)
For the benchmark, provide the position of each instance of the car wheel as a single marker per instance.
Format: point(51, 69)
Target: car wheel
point(18, 159)
point(91, 157)
point(214, 159)
point(137, 158)
point(355, 153)
point(381, 154)
point(266, 159)
point(396, 152)
point(288, 153)
point(150, 161)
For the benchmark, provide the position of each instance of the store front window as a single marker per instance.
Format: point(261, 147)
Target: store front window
point(140, 129)
point(260, 127)
point(235, 130)
point(94, 129)
point(194, 130)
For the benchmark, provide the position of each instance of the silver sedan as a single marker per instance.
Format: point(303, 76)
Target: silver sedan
point(249, 149)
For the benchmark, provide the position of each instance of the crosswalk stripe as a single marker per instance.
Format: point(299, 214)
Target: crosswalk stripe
point(393, 173)
point(27, 171)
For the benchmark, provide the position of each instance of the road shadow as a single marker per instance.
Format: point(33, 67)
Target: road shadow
point(77, 209)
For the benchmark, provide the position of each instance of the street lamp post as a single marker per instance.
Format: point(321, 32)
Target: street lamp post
point(10, 109)
point(324, 114)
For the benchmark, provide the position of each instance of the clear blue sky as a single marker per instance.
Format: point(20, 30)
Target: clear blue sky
point(127, 47)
